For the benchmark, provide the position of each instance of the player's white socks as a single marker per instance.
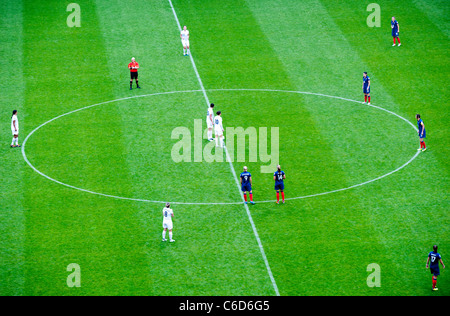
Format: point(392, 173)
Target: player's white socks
point(221, 141)
point(189, 51)
point(170, 235)
point(164, 234)
point(12, 142)
point(184, 51)
point(217, 141)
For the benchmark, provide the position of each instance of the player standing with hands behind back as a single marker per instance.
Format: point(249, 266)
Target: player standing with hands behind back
point(167, 222)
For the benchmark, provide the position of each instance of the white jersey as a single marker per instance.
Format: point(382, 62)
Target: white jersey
point(209, 114)
point(218, 123)
point(185, 35)
point(167, 214)
point(16, 121)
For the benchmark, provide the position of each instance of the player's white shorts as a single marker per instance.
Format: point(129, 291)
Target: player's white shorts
point(218, 131)
point(168, 225)
point(14, 132)
point(185, 43)
point(209, 124)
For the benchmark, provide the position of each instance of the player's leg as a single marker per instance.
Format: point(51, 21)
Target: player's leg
point(368, 98)
point(245, 195)
point(250, 193)
point(217, 139)
point(131, 83)
point(221, 140)
point(210, 134)
point(398, 39)
point(278, 196)
point(13, 140)
point(171, 235)
point(164, 233)
point(137, 80)
point(282, 195)
point(365, 97)
point(188, 49)
point(394, 40)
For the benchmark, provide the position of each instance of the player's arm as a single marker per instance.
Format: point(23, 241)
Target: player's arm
point(428, 261)
point(284, 176)
point(136, 67)
point(14, 124)
point(241, 180)
point(398, 28)
point(423, 127)
point(250, 178)
point(274, 178)
point(443, 265)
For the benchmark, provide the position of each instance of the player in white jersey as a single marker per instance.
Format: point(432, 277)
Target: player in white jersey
point(185, 41)
point(15, 129)
point(210, 121)
point(167, 222)
point(218, 129)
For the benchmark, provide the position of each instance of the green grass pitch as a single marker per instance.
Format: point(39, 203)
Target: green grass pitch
point(318, 245)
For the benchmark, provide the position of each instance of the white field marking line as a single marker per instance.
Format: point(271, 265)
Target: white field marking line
point(208, 203)
point(255, 232)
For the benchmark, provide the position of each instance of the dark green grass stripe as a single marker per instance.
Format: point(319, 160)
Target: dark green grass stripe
point(320, 60)
point(12, 218)
point(65, 69)
point(406, 74)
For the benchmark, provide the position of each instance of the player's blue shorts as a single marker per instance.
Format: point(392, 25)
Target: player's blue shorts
point(279, 186)
point(366, 90)
point(424, 134)
point(394, 34)
point(434, 271)
point(246, 187)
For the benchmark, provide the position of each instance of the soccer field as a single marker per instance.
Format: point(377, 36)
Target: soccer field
point(97, 163)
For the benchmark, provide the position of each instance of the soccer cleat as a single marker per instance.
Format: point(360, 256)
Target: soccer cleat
point(246, 202)
point(211, 139)
point(424, 149)
point(252, 203)
point(363, 102)
point(434, 289)
point(277, 202)
point(419, 149)
point(368, 103)
point(131, 88)
point(138, 87)
point(283, 202)
point(399, 44)
point(393, 44)
point(172, 240)
point(164, 239)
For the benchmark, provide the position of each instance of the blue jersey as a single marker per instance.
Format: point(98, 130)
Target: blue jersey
point(366, 81)
point(245, 176)
point(420, 126)
point(434, 259)
point(279, 177)
point(394, 25)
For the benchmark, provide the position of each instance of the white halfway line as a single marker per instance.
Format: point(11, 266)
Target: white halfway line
point(255, 232)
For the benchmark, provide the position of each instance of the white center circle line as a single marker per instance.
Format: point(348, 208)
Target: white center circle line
point(209, 203)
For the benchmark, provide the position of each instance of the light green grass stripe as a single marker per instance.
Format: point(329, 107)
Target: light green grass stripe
point(12, 218)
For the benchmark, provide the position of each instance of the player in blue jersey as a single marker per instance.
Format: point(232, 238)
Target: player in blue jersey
point(246, 185)
point(434, 257)
point(422, 133)
point(395, 31)
point(366, 87)
point(279, 177)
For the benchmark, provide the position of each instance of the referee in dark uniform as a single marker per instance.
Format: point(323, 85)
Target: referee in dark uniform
point(133, 66)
